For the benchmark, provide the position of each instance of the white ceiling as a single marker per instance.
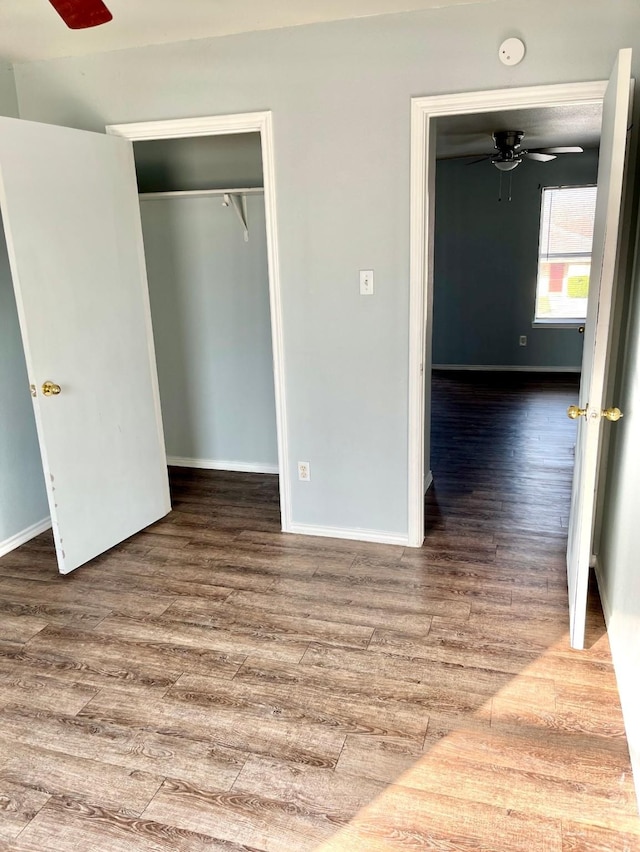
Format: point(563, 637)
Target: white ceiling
point(31, 29)
point(469, 135)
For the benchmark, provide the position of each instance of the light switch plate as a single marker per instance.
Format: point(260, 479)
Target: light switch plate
point(366, 282)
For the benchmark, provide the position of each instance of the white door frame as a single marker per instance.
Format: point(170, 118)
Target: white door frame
point(219, 125)
point(423, 155)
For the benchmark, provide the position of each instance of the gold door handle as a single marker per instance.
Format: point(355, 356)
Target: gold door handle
point(612, 414)
point(51, 389)
point(574, 412)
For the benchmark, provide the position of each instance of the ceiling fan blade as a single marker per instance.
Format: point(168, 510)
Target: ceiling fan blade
point(82, 14)
point(566, 149)
point(536, 155)
point(481, 160)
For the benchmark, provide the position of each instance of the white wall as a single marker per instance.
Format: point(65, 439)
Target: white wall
point(340, 95)
point(210, 308)
point(23, 500)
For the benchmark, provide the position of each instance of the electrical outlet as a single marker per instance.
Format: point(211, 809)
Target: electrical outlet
point(523, 340)
point(366, 282)
point(304, 471)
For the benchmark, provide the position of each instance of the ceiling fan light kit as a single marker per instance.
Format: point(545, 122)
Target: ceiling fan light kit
point(82, 14)
point(507, 143)
point(508, 153)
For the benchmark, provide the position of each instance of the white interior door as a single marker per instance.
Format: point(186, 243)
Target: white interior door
point(604, 272)
point(72, 223)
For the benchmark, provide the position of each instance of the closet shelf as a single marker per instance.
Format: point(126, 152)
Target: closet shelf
point(194, 193)
point(235, 198)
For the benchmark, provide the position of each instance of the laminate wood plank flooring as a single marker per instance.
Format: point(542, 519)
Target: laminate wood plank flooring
point(212, 685)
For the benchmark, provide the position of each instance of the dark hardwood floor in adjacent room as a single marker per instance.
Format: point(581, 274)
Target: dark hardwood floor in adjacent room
point(212, 684)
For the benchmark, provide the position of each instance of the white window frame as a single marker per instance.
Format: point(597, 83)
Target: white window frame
point(560, 322)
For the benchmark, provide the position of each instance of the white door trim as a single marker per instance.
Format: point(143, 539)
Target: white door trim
point(423, 110)
point(218, 125)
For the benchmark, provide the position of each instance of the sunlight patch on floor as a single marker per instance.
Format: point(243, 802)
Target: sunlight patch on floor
point(547, 749)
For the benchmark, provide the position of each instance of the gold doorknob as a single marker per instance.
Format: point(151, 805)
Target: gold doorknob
point(574, 412)
point(51, 389)
point(612, 414)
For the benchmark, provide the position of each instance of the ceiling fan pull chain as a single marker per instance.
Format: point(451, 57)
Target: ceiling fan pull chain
point(500, 187)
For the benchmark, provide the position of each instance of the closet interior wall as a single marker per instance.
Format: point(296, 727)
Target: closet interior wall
point(209, 292)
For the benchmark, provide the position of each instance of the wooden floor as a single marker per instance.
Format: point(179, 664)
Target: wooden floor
point(214, 685)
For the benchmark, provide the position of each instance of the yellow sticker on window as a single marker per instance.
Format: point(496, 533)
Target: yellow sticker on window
point(578, 286)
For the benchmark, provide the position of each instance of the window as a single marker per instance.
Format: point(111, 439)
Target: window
point(564, 253)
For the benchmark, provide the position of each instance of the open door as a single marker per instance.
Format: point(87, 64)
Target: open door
point(72, 223)
point(604, 271)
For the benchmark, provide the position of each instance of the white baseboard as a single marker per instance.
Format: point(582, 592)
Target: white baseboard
point(428, 481)
point(217, 464)
point(25, 535)
point(498, 368)
point(595, 564)
point(353, 534)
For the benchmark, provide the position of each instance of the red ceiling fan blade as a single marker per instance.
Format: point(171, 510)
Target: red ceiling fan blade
point(82, 14)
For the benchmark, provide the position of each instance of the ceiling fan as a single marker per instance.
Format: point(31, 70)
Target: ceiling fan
point(508, 153)
point(82, 14)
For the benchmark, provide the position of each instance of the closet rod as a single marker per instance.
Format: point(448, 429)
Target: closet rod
point(192, 193)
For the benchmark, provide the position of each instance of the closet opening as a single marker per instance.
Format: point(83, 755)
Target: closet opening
point(208, 224)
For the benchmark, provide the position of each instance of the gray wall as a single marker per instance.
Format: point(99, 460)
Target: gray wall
point(486, 258)
point(199, 162)
point(210, 308)
point(341, 127)
point(8, 96)
point(22, 496)
point(618, 572)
